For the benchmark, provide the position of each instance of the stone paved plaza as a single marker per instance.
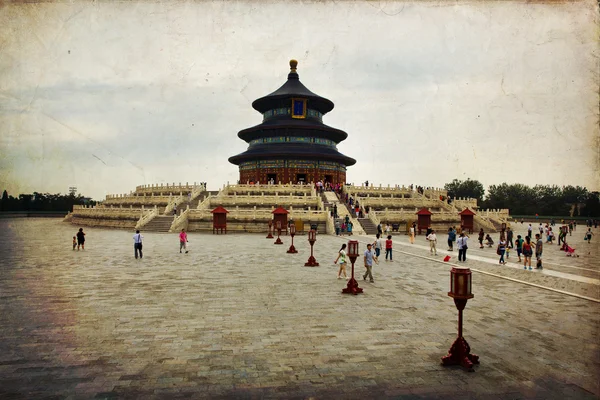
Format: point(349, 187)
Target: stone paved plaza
point(237, 317)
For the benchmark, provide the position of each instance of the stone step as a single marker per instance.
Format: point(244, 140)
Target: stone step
point(368, 226)
point(160, 223)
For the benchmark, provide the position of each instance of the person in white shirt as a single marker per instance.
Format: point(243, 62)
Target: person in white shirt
point(377, 245)
point(137, 244)
point(342, 259)
point(462, 247)
point(432, 242)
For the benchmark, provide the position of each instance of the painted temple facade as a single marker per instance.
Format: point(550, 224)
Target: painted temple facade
point(292, 144)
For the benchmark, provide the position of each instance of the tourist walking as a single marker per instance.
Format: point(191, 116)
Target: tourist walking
point(480, 238)
point(337, 228)
point(519, 243)
point(411, 238)
point(539, 247)
point(342, 259)
point(509, 238)
point(183, 241)
point(369, 257)
point(432, 242)
point(80, 239)
point(137, 244)
point(588, 235)
point(74, 242)
point(529, 230)
point(461, 243)
point(527, 252)
point(349, 228)
point(501, 249)
point(388, 247)
point(377, 245)
point(451, 239)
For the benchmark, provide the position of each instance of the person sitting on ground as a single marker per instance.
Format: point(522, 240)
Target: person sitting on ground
point(488, 240)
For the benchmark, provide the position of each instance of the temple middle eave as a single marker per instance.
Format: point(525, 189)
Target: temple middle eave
point(292, 151)
point(292, 128)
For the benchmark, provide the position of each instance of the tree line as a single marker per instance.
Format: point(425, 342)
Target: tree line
point(520, 199)
point(42, 202)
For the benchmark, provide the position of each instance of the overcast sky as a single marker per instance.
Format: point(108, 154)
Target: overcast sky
point(106, 96)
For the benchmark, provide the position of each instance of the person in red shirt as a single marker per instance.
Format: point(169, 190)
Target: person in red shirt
point(182, 241)
point(388, 247)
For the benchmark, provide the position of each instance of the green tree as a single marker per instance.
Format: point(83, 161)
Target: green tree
point(469, 188)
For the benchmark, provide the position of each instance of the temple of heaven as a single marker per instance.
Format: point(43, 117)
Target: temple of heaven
point(292, 144)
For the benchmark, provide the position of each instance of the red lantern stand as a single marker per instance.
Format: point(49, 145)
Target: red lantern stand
point(270, 235)
point(466, 220)
point(281, 214)
point(278, 241)
point(292, 249)
point(352, 287)
point(312, 238)
point(460, 291)
point(219, 220)
point(423, 219)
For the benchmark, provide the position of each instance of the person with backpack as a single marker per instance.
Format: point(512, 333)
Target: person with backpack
point(527, 252)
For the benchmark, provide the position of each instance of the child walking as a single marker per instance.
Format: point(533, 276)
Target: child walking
point(388, 247)
point(74, 242)
point(342, 258)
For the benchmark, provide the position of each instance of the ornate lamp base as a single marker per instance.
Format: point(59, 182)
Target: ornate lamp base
point(269, 236)
point(278, 241)
point(312, 262)
point(352, 287)
point(292, 249)
point(460, 354)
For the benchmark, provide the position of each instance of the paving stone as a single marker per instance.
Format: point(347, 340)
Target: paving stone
point(238, 317)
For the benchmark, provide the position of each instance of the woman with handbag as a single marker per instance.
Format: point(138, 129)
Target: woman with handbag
point(501, 250)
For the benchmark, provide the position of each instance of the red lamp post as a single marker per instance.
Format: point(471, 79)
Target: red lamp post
point(352, 287)
point(270, 235)
point(460, 291)
point(292, 249)
point(278, 241)
point(312, 238)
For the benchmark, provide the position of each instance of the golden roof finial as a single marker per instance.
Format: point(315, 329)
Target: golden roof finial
point(293, 65)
